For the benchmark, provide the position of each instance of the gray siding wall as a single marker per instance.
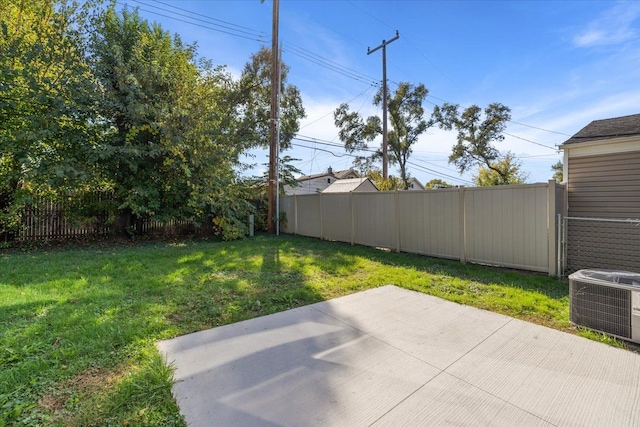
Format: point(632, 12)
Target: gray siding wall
point(605, 186)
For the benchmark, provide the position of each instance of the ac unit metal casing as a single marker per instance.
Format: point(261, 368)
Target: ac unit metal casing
point(606, 301)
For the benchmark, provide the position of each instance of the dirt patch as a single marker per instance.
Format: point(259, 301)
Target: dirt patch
point(89, 381)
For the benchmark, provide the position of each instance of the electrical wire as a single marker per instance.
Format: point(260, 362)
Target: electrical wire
point(331, 144)
point(193, 23)
point(331, 67)
point(530, 141)
point(208, 21)
point(331, 112)
point(303, 50)
point(204, 16)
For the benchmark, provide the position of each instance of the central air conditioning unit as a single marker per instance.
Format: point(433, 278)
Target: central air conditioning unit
point(606, 301)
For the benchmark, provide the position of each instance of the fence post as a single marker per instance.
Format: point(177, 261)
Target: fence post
point(551, 228)
point(295, 214)
point(397, 203)
point(352, 216)
point(321, 217)
point(462, 225)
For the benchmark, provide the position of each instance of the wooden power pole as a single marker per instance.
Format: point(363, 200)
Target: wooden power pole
point(385, 155)
point(273, 137)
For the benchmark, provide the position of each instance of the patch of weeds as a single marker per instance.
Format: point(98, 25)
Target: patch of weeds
point(601, 337)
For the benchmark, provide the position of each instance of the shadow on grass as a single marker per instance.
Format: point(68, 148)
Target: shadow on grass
point(70, 311)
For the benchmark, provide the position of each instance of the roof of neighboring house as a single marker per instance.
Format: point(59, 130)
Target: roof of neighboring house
point(608, 128)
point(417, 183)
point(351, 184)
point(329, 172)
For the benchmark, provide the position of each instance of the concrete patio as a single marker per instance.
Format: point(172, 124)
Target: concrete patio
point(390, 357)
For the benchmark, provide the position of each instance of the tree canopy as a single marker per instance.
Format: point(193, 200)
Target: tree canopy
point(558, 171)
point(96, 98)
point(477, 131)
point(504, 171)
point(407, 124)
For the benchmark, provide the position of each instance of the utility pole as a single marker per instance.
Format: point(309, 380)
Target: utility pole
point(385, 155)
point(273, 142)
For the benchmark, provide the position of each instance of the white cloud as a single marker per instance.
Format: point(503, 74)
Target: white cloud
point(614, 27)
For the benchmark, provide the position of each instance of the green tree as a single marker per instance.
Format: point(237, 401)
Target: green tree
point(253, 103)
point(46, 102)
point(437, 183)
point(477, 131)
point(407, 124)
point(389, 184)
point(168, 151)
point(505, 171)
point(558, 171)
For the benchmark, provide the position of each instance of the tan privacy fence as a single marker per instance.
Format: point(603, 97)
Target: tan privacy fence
point(510, 226)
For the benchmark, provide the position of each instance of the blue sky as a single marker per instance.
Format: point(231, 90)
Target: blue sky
point(557, 64)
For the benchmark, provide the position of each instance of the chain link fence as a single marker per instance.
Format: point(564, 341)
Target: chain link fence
point(603, 243)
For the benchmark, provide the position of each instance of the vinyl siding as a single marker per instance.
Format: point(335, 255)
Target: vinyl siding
point(605, 186)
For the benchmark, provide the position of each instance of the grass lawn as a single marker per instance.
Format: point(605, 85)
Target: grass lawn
point(78, 326)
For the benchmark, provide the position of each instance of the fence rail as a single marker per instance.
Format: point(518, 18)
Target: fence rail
point(510, 226)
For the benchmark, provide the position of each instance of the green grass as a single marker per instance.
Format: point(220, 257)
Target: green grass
point(78, 326)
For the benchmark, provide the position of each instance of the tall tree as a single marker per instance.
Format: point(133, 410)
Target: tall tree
point(437, 183)
point(407, 124)
point(253, 100)
point(168, 151)
point(391, 183)
point(558, 171)
point(46, 101)
point(477, 131)
point(510, 172)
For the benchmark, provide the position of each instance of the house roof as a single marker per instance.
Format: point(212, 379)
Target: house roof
point(343, 174)
point(347, 185)
point(616, 127)
point(415, 181)
point(336, 175)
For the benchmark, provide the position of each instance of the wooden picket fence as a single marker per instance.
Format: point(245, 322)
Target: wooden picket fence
point(45, 220)
point(53, 220)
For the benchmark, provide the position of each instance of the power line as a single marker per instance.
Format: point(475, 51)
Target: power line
point(331, 112)
point(195, 24)
point(371, 15)
point(343, 71)
point(302, 50)
point(441, 72)
point(530, 141)
point(204, 16)
point(208, 21)
point(538, 128)
point(331, 144)
point(419, 167)
point(259, 37)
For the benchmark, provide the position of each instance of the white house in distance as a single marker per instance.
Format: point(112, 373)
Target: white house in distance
point(351, 184)
point(311, 184)
point(414, 185)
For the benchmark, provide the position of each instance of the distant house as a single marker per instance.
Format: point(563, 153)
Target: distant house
point(602, 175)
point(311, 184)
point(351, 184)
point(414, 184)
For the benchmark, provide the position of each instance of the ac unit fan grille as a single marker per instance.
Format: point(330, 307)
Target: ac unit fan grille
point(602, 308)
